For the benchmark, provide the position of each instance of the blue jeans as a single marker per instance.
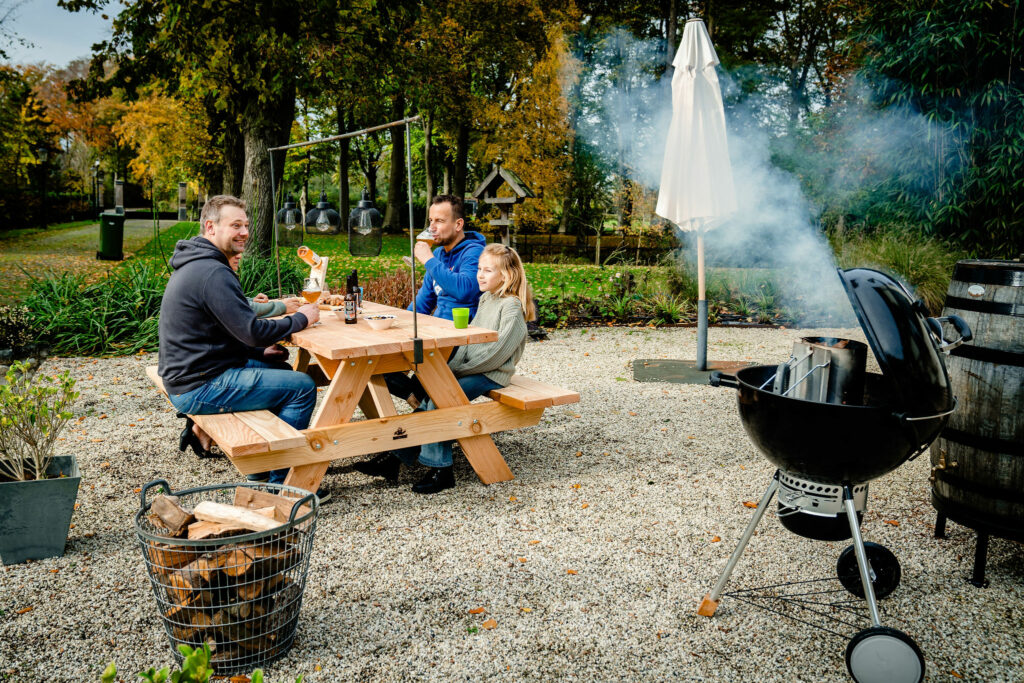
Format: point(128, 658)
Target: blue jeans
point(440, 454)
point(258, 385)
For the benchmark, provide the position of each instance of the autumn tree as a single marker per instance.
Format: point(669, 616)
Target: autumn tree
point(242, 59)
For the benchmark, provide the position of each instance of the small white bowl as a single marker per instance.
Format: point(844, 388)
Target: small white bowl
point(380, 321)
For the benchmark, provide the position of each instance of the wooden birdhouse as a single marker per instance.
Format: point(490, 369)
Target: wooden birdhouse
point(487, 192)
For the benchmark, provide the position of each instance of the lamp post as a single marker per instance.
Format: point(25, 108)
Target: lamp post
point(95, 183)
point(42, 153)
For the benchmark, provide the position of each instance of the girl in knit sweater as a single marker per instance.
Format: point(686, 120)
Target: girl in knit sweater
point(505, 306)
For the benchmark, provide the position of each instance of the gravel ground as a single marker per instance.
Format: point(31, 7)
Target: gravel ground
point(591, 562)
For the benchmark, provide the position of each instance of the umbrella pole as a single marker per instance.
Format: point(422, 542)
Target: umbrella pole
point(702, 306)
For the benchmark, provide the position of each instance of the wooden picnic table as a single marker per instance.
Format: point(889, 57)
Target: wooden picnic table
point(352, 361)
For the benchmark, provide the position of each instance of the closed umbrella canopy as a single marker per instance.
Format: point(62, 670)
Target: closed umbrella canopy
point(696, 178)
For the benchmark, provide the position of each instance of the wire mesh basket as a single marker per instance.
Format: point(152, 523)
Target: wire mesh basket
point(238, 590)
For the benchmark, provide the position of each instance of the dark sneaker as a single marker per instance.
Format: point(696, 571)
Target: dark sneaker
point(384, 465)
point(437, 479)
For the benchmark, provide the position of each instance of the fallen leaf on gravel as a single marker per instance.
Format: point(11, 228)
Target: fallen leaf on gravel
point(750, 504)
point(512, 499)
point(489, 624)
point(102, 417)
point(632, 413)
point(585, 506)
point(579, 454)
point(953, 673)
point(477, 610)
point(105, 463)
point(526, 609)
point(98, 441)
point(78, 505)
point(576, 486)
point(24, 610)
point(138, 489)
point(893, 522)
point(571, 571)
point(240, 678)
point(577, 415)
point(522, 559)
point(715, 539)
point(54, 571)
point(534, 542)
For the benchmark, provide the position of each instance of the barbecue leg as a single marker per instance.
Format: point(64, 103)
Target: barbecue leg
point(710, 602)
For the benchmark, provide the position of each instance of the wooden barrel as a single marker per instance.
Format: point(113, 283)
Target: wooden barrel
point(978, 461)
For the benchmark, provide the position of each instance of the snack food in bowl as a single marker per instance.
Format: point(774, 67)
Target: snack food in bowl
point(380, 321)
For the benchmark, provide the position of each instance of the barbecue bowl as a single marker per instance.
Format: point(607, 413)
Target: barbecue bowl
point(380, 321)
point(827, 442)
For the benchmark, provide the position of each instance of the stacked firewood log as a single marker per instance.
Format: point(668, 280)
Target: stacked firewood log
point(241, 597)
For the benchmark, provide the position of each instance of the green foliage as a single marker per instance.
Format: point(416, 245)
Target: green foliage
point(259, 275)
point(33, 411)
point(195, 668)
point(16, 330)
point(926, 265)
point(115, 316)
point(958, 63)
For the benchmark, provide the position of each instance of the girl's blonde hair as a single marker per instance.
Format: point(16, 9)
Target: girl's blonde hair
point(514, 277)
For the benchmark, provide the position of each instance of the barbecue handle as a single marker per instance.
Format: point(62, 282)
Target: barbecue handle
point(720, 379)
point(961, 326)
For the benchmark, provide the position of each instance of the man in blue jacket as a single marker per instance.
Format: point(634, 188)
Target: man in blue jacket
point(216, 355)
point(450, 280)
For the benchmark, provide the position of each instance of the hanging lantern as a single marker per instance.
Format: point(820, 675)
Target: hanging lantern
point(322, 217)
point(364, 228)
point(288, 219)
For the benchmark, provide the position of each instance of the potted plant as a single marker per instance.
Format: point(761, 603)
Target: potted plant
point(37, 489)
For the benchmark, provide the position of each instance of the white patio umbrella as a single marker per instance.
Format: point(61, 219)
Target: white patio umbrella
point(696, 178)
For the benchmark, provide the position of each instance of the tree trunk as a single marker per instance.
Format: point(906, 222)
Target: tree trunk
point(234, 161)
point(264, 125)
point(396, 180)
point(670, 37)
point(428, 167)
point(309, 153)
point(344, 205)
point(461, 160)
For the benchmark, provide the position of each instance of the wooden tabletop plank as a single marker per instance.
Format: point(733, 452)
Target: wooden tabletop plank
point(336, 340)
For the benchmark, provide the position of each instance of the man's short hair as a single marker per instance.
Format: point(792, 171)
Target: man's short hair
point(211, 210)
point(458, 211)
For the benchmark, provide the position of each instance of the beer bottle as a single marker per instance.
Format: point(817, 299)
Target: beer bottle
point(350, 308)
point(354, 286)
point(309, 256)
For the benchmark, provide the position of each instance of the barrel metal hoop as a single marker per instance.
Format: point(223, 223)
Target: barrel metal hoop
point(985, 443)
point(995, 307)
point(989, 276)
point(986, 355)
point(986, 489)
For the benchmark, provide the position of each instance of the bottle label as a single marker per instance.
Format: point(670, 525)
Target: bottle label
point(350, 310)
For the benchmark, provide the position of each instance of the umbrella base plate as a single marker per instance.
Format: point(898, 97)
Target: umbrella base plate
point(681, 371)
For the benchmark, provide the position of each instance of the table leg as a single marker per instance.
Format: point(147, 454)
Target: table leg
point(376, 400)
point(444, 390)
point(338, 404)
point(301, 361)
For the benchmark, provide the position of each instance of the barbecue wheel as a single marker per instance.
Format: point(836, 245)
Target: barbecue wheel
point(883, 563)
point(884, 655)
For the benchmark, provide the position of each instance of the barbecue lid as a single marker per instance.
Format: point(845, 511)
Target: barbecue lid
point(895, 326)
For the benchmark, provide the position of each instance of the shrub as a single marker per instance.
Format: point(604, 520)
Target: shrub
point(390, 289)
point(259, 275)
point(33, 411)
point(116, 316)
point(195, 668)
point(924, 263)
point(16, 329)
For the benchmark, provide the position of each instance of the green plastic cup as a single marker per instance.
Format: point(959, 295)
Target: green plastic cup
point(460, 316)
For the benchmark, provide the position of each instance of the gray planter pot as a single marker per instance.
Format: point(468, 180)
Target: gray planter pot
point(35, 515)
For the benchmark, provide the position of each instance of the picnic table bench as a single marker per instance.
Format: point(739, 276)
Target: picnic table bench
point(351, 360)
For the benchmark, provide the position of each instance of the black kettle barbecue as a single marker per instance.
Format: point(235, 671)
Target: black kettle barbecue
point(831, 427)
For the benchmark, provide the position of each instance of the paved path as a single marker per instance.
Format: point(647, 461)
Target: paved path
point(62, 250)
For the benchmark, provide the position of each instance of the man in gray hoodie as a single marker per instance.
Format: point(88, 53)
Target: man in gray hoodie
point(216, 355)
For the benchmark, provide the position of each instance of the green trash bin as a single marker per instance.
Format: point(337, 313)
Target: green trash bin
point(111, 237)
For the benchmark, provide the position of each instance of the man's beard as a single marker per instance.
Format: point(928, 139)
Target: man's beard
point(451, 239)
